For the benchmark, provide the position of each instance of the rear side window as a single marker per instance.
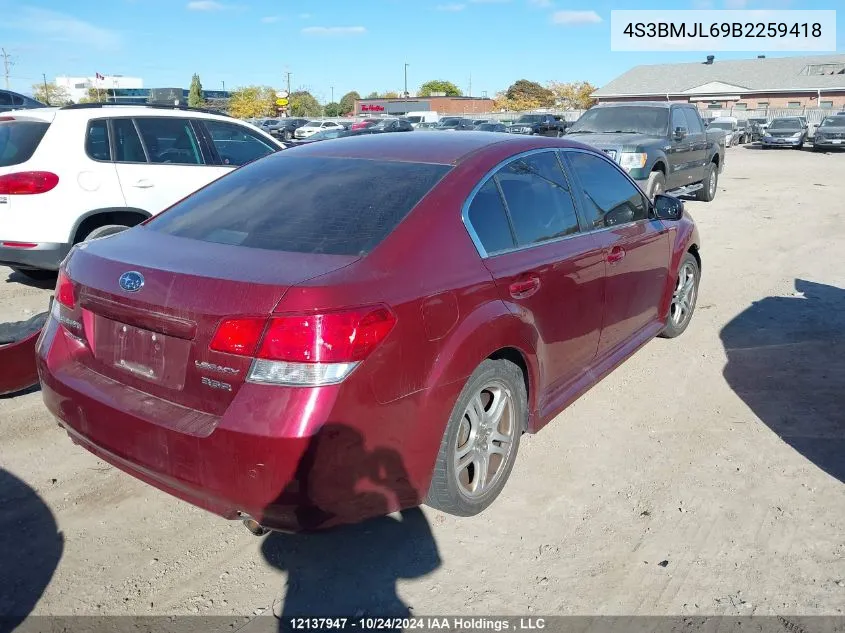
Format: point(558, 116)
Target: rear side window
point(19, 140)
point(489, 219)
point(334, 206)
point(170, 140)
point(97, 140)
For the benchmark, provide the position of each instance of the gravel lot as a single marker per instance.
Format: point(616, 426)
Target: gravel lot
point(705, 476)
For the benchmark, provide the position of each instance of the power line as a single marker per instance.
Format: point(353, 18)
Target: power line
point(7, 65)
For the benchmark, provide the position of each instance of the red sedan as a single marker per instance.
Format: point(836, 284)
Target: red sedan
point(350, 328)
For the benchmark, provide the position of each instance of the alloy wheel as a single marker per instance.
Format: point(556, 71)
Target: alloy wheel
point(683, 299)
point(485, 442)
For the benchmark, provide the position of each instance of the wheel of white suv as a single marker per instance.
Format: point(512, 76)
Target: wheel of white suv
point(481, 440)
point(104, 231)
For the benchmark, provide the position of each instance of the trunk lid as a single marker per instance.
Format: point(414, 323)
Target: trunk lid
point(150, 303)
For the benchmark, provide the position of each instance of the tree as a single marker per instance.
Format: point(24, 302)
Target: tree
point(195, 98)
point(524, 95)
point(347, 102)
point(50, 94)
point(439, 85)
point(575, 95)
point(333, 109)
point(97, 96)
point(303, 103)
point(390, 94)
point(252, 102)
point(372, 95)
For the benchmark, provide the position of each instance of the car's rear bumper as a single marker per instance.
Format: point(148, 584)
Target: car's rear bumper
point(32, 255)
point(291, 458)
point(831, 144)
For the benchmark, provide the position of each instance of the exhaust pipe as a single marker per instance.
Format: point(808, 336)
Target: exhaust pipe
point(252, 525)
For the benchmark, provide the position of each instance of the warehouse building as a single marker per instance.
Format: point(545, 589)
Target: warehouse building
point(439, 104)
point(816, 81)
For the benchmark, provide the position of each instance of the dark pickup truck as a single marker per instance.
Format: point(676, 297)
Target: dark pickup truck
point(540, 124)
point(663, 146)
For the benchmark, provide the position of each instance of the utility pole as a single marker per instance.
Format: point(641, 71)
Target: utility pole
point(405, 94)
point(288, 74)
point(469, 92)
point(7, 65)
point(46, 91)
point(332, 94)
point(224, 85)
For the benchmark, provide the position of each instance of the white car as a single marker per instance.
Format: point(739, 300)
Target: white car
point(86, 171)
point(312, 127)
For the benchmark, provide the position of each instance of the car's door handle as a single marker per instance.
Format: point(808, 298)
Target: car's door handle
point(143, 184)
point(524, 287)
point(616, 255)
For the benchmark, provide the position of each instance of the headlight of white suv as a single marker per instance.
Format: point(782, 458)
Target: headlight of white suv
point(632, 160)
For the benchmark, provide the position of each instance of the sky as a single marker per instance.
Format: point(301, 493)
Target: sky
point(333, 47)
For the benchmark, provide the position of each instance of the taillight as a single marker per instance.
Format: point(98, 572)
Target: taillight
point(312, 349)
point(65, 292)
point(28, 183)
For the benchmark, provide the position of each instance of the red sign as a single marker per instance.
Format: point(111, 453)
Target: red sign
point(366, 107)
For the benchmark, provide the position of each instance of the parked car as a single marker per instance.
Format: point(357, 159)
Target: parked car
point(743, 132)
point(365, 123)
point(423, 116)
point(491, 127)
point(312, 127)
point(730, 125)
point(539, 124)
point(758, 127)
point(785, 132)
point(17, 347)
point(285, 128)
point(86, 171)
point(285, 368)
point(13, 101)
point(454, 123)
point(392, 125)
point(322, 135)
point(830, 134)
point(662, 145)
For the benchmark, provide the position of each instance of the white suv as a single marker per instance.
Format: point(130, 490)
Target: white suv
point(85, 171)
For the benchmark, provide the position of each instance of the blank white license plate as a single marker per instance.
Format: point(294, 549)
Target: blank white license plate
point(837, 142)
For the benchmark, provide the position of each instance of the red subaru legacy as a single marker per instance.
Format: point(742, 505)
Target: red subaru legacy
point(350, 328)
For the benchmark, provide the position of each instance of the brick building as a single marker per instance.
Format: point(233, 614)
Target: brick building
point(441, 105)
point(816, 81)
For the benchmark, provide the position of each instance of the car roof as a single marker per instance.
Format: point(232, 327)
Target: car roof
point(105, 110)
point(651, 104)
point(444, 149)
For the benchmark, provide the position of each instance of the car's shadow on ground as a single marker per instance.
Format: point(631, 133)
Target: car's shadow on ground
point(351, 570)
point(786, 360)
point(47, 283)
point(30, 549)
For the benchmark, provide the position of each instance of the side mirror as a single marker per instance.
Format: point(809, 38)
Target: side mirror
point(816, 125)
point(680, 133)
point(668, 207)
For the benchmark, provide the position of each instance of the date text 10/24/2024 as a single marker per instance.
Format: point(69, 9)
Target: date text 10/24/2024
point(431, 623)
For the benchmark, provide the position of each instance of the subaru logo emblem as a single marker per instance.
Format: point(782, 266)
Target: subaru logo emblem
point(131, 281)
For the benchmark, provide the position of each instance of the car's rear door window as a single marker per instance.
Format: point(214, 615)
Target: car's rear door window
point(19, 140)
point(127, 143)
point(303, 204)
point(538, 199)
point(170, 140)
point(235, 144)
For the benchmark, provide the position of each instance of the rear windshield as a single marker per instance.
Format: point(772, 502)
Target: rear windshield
point(785, 124)
point(414, 119)
point(334, 206)
point(19, 139)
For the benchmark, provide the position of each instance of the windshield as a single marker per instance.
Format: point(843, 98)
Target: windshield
point(529, 118)
point(785, 124)
point(414, 119)
point(633, 119)
point(834, 121)
point(721, 125)
point(449, 121)
point(486, 127)
point(312, 124)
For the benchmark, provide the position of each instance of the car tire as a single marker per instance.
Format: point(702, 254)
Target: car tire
point(684, 296)
point(36, 274)
point(104, 231)
point(711, 184)
point(457, 487)
point(656, 184)
point(288, 135)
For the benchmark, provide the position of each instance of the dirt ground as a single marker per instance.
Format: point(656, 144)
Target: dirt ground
point(705, 476)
